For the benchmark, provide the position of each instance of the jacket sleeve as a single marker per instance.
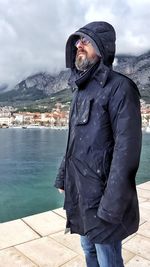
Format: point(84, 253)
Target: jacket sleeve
point(125, 117)
point(59, 182)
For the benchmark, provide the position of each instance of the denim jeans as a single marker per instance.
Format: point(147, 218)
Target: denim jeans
point(102, 255)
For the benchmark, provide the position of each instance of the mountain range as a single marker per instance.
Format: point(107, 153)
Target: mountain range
point(138, 69)
point(43, 90)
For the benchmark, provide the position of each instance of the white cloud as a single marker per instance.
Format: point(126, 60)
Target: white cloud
point(33, 33)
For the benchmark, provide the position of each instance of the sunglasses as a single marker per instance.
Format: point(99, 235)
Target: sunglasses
point(82, 40)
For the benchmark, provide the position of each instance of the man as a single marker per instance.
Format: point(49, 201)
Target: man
point(98, 171)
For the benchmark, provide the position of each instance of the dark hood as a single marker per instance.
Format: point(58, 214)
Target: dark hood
point(102, 36)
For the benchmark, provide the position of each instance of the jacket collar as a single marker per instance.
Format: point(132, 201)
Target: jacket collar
point(99, 72)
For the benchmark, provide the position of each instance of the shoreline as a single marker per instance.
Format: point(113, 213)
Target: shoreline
point(34, 126)
point(30, 126)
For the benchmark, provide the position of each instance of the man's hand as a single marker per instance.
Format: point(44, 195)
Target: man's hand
point(61, 191)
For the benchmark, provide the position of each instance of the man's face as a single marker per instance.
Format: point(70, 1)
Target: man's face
point(86, 55)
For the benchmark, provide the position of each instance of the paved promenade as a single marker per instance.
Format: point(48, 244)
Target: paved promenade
point(39, 240)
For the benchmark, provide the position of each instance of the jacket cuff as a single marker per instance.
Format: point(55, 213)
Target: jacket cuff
point(59, 184)
point(106, 216)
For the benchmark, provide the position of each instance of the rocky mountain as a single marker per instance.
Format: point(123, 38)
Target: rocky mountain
point(42, 87)
point(45, 82)
point(138, 69)
point(36, 87)
point(3, 87)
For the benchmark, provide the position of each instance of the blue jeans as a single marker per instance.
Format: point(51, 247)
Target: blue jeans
point(102, 255)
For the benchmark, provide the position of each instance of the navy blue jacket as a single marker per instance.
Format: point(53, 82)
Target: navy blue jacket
point(104, 143)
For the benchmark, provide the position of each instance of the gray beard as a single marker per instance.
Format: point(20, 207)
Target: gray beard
point(84, 64)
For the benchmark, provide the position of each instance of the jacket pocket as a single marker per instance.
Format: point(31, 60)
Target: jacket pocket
point(84, 112)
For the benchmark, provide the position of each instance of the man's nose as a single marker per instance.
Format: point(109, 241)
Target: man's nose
point(80, 44)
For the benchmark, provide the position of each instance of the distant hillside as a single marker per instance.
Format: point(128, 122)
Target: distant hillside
point(43, 90)
point(38, 91)
point(138, 69)
point(3, 87)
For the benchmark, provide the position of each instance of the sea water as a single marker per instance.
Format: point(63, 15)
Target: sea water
point(29, 160)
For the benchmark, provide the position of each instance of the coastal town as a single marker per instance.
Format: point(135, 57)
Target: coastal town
point(145, 114)
point(58, 118)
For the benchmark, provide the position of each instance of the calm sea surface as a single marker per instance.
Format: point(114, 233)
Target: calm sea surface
point(29, 159)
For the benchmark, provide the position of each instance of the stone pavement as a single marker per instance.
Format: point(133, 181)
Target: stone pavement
point(39, 240)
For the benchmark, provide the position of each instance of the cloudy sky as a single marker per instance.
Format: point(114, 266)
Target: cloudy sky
point(33, 32)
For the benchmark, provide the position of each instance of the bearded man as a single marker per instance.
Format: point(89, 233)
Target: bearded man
point(102, 156)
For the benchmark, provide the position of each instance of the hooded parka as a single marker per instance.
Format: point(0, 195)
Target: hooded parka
point(104, 143)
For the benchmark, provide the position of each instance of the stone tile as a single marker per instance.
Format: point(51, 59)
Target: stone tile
point(142, 199)
point(143, 193)
point(15, 232)
point(46, 252)
point(71, 241)
point(127, 255)
point(144, 185)
point(138, 262)
point(142, 220)
point(139, 245)
point(12, 257)
point(144, 229)
point(145, 210)
point(60, 212)
point(46, 223)
point(76, 262)
point(145, 204)
point(128, 238)
point(145, 214)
